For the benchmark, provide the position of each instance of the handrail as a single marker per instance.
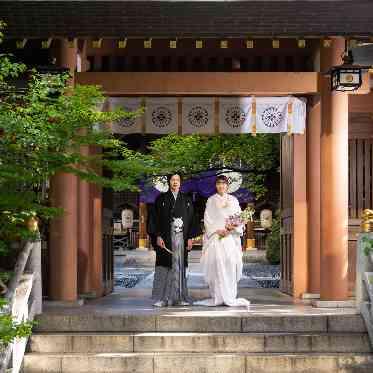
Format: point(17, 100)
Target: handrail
point(364, 289)
point(18, 272)
point(27, 277)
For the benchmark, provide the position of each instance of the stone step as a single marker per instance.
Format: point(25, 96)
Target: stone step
point(197, 363)
point(200, 342)
point(200, 322)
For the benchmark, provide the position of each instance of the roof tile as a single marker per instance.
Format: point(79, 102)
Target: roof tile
point(186, 18)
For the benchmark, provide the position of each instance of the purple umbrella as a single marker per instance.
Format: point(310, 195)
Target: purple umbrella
point(203, 184)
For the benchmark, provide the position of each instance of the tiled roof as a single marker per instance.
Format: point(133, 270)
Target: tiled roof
point(186, 18)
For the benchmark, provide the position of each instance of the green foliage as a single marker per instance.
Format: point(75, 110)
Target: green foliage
point(43, 130)
point(196, 153)
point(367, 243)
point(43, 135)
point(10, 329)
point(5, 276)
point(274, 243)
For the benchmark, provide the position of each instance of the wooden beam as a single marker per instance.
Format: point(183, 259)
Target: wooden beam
point(361, 103)
point(365, 87)
point(202, 83)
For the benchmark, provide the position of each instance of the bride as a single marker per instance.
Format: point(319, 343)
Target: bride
point(222, 254)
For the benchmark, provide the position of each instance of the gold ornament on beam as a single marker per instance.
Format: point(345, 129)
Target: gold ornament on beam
point(367, 221)
point(97, 43)
point(148, 43)
point(224, 44)
point(275, 43)
point(45, 44)
point(199, 44)
point(301, 43)
point(122, 43)
point(173, 44)
point(352, 43)
point(20, 44)
point(249, 43)
point(327, 43)
point(71, 42)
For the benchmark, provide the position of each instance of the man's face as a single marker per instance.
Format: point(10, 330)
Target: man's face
point(175, 183)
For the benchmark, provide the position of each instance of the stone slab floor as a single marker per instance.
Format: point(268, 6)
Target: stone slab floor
point(264, 302)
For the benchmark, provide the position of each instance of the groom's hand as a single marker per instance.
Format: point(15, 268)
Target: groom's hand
point(190, 244)
point(160, 242)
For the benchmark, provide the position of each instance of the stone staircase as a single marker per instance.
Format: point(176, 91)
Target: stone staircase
point(199, 342)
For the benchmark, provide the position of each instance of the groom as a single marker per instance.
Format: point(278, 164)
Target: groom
point(169, 205)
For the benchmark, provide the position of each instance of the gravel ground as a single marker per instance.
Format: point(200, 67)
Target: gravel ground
point(130, 278)
point(255, 275)
point(265, 275)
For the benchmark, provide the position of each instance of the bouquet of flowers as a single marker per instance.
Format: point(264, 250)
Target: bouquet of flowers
point(241, 218)
point(238, 219)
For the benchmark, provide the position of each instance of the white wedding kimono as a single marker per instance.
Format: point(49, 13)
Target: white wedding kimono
point(222, 257)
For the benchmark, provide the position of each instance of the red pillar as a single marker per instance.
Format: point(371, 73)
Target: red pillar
point(96, 271)
point(84, 233)
point(85, 208)
point(63, 230)
point(63, 239)
point(300, 252)
point(313, 194)
point(334, 181)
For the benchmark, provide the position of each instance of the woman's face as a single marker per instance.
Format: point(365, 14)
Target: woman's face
point(221, 187)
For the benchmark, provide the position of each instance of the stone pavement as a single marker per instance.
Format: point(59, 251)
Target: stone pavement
point(266, 302)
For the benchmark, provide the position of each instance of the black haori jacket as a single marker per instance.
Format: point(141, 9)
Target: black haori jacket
point(159, 224)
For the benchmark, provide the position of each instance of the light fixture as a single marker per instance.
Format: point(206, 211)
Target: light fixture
point(249, 43)
point(122, 43)
point(173, 43)
point(224, 44)
point(346, 77)
point(97, 43)
point(199, 44)
point(275, 43)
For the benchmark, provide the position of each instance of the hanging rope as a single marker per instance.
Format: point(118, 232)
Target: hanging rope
point(290, 116)
point(253, 116)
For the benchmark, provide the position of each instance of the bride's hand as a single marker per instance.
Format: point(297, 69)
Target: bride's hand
point(229, 227)
point(222, 232)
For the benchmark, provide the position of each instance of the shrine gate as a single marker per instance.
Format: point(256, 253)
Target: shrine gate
point(326, 173)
